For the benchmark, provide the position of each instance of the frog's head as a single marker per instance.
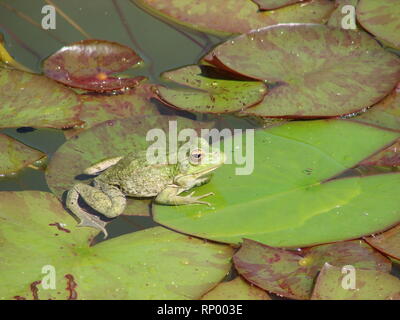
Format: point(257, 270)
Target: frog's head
point(201, 159)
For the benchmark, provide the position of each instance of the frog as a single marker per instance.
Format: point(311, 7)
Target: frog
point(134, 176)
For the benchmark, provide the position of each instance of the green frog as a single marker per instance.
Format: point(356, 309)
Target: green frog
point(134, 176)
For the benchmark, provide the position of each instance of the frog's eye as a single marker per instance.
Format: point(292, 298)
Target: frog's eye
point(196, 156)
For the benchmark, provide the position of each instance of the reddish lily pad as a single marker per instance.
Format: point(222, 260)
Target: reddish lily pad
point(390, 157)
point(381, 18)
point(15, 155)
point(40, 243)
point(274, 4)
point(30, 100)
point(370, 285)
point(236, 289)
point(385, 113)
point(98, 108)
point(213, 95)
point(317, 71)
point(226, 17)
point(387, 242)
point(88, 64)
point(291, 274)
point(110, 139)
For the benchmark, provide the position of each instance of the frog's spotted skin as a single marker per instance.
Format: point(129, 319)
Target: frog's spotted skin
point(134, 176)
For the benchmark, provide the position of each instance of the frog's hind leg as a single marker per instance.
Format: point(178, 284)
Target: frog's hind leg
point(101, 166)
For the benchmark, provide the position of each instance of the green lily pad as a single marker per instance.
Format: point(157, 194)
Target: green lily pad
point(291, 274)
point(236, 289)
point(387, 242)
point(99, 108)
point(370, 285)
point(381, 18)
point(317, 71)
point(88, 64)
point(107, 140)
point(389, 157)
point(290, 199)
point(151, 264)
point(385, 113)
point(213, 95)
point(30, 100)
point(16, 155)
point(226, 17)
point(274, 4)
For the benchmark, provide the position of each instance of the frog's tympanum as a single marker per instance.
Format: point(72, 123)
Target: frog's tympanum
point(134, 176)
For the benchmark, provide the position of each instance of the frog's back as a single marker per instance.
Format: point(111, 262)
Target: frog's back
point(137, 178)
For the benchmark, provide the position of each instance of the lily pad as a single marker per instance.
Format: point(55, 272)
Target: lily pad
point(151, 264)
point(338, 17)
point(290, 199)
point(385, 113)
point(236, 289)
point(291, 274)
point(213, 95)
point(15, 155)
point(389, 157)
point(370, 285)
point(30, 100)
point(274, 4)
point(107, 140)
point(102, 107)
point(317, 71)
point(387, 242)
point(381, 18)
point(88, 64)
point(226, 17)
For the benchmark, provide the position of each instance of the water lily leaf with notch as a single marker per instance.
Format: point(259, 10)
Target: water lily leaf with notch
point(318, 71)
point(15, 155)
point(30, 100)
point(88, 64)
point(236, 17)
point(213, 95)
point(98, 108)
point(236, 289)
point(291, 274)
point(151, 264)
point(381, 18)
point(387, 242)
point(290, 198)
point(389, 157)
point(107, 140)
point(385, 113)
point(274, 4)
point(370, 285)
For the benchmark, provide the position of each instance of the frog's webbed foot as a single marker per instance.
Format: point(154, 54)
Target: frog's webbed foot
point(101, 166)
point(170, 196)
point(86, 219)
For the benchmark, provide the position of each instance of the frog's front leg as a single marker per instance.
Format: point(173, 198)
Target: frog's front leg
point(170, 196)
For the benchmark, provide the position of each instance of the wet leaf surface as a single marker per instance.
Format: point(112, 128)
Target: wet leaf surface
point(89, 64)
point(107, 140)
point(98, 108)
point(213, 95)
point(30, 100)
point(291, 274)
point(274, 4)
point(317, 71)
point(151, 264)
point(370, 285)
point(235, 17)
point(381, 18)
point(15, 155)
point(236, 289)
point(386, 113)
point(387, 242)
point(290, 199)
